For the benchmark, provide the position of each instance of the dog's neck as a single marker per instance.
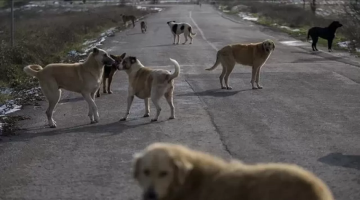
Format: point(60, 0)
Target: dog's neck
point(92, 63)
point(134, 68)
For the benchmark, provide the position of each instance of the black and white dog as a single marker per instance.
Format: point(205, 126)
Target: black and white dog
point(178, 28)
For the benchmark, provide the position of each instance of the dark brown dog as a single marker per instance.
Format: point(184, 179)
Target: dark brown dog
point(109, 72)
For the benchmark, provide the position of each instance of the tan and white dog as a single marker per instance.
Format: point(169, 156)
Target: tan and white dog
point(166, 171)
point(83, 78)
point(252, 54)
point(148, 83)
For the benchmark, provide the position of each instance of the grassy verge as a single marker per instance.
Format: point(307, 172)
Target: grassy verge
point(294, 17)
point(43, 37)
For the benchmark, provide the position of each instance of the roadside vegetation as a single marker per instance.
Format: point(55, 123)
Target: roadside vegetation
point(296, 19)
point(44, 36)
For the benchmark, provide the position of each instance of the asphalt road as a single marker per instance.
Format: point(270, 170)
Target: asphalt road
point(308, 113)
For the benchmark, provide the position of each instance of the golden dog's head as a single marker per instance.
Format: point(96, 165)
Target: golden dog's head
point(102, 57)
point(159, 170)
point(268, 46)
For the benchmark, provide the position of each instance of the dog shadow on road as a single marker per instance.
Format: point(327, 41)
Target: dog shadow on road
point(214, 93)
point(341, 160)
point(113, 128)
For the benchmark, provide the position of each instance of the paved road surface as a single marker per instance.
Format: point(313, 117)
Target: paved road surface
point(308, 113)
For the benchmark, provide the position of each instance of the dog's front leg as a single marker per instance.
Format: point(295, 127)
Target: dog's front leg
point(129, 102)
point(109, 85)
point(104, 85)
point(147, 107)
point(93, 111)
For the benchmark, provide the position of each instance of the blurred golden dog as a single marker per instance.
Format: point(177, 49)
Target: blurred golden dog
point(252, 54)
point(174, 172)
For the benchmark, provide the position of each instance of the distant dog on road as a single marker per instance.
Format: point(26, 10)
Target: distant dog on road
point(148, 83)
point(109, 72)
point(127, 18)
point(166, 171)
point(178, 28)
point(253, 54)
point(327, 33)
point(83, 78)
point(143, 26)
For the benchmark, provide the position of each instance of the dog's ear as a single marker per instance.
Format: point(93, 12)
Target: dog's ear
point(136, 164)
point(122, 56)
point(95, 50)
point(132, 59)
point(182, 169)
point(113, 57)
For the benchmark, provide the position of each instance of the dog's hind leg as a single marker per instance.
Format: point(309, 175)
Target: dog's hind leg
point(147, 108)
point(169, 98)
point(230, 67)
point(191, 39)
point(53, 95)
point(314, 41)
point(174, 38)
point(185, 39)
point(330, 41)
point(178, 39)
point(155, 97)
point(93, 111)
point(221, 77)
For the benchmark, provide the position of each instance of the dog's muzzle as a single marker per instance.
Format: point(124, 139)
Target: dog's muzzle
point(150, 194)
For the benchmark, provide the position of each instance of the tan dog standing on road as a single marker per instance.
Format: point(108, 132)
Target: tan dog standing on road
point(148, 83)
point(174, 172)
point(127, 18)
point(253, 54)
point(83, 78)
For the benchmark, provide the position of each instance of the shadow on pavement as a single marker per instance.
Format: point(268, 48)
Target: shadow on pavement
point(214, 93)
point(113, 128)
point(341, 160)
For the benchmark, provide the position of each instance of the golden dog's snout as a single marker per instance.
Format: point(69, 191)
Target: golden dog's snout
point(150, 194)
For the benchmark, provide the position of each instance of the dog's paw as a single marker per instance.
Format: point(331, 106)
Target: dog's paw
point(146, 115)
point(110, 92)
point(254, 88)
point(98, 95)
point(153, 120)
point(53, 126)
point(223, 87)
point(229, 88)
point(123, 119)
point(260, 87)
point(94, 122)
point(330, 50)
point(172, 117)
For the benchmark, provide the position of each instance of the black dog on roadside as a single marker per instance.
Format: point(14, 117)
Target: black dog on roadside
point(327, 33)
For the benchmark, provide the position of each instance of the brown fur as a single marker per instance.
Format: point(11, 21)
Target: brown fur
point(83, 78)
point(127, 18)
point(108, 74)
point(253, 54)
point(146, 83)
point(174, 172)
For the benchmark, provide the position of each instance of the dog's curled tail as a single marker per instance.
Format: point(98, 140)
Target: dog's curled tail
point(217, 62)
point(190, 30)
point(177, 70)
point(32, 70)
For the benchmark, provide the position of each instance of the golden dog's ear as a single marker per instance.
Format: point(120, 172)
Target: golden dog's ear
point(183, 168)
point(136, 164)
point(123, 56)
